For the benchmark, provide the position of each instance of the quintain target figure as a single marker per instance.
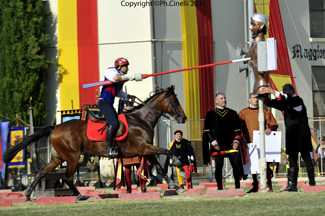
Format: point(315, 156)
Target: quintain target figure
point(259, 28)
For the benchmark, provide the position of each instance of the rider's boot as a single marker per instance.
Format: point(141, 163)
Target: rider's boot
point(110, 149)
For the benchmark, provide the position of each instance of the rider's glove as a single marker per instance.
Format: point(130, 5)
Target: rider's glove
point(127, 78)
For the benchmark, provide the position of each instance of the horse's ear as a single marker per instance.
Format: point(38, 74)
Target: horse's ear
point(170, 90)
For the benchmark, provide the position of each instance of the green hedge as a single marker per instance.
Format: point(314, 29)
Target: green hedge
point(23, 66)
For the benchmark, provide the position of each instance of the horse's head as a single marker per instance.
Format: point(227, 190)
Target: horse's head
point(170, 105)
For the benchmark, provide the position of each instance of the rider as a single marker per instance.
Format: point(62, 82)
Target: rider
point(107, 97)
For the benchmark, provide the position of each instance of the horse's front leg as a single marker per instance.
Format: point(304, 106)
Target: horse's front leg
point(175, 160)
point(153, 161)
point(150, 152)
point(149, 149)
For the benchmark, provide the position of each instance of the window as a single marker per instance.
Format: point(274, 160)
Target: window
point(318, 91)
point(317, 18)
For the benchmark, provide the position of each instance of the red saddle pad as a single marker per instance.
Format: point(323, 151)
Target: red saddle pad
point(94, 135)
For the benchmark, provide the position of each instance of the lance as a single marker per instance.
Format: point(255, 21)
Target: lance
point(140, 77)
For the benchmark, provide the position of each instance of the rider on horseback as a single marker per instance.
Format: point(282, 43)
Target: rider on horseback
point(106, 101)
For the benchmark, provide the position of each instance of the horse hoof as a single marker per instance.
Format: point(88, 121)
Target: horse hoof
point(171, 184)
point(28, 191)
point(89, 198)
point(180, 190)
point(81, 197)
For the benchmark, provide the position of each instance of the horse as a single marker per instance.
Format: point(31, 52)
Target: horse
point(69, 139)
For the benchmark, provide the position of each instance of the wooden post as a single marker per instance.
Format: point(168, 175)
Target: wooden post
point(262, 144)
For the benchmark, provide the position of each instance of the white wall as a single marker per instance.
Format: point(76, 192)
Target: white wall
point(117, 23)
point(169, 56)
point(126, 32)
point(228, 32)
point(169, 51)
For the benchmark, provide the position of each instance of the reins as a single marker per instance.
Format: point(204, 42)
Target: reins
point(160, 113)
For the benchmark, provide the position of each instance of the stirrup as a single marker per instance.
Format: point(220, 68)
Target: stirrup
point(111, 152)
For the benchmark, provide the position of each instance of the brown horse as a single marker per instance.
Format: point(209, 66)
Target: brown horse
point(69, 140)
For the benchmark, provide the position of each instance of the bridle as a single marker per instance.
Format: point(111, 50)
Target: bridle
point(170, 102)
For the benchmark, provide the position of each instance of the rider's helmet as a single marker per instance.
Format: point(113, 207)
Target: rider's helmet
point(121, 62)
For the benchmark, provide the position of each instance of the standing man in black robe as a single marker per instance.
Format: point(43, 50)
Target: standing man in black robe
point(221, 138)
point(298, 136)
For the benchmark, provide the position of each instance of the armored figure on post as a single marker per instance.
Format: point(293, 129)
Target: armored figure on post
point(259, 28)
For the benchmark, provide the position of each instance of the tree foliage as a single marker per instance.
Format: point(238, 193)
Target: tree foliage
point(23, 66)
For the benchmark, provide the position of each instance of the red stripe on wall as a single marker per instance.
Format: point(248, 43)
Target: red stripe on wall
point(87, 49)
point(205, 37)
point(277, 32)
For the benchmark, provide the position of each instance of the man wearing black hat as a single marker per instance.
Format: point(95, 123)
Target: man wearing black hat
point(183, 150)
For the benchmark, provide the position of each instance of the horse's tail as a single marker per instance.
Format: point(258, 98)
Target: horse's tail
point(12, 151)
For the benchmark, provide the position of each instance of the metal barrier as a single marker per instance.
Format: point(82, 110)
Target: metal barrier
point(193, 130)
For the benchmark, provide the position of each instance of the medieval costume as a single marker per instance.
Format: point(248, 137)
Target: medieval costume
point(183, 150)
point(298, 136)
point(249, 121)
point(142, 171)
point(223, 126)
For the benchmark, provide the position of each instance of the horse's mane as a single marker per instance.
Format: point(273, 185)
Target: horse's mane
point(156, 93)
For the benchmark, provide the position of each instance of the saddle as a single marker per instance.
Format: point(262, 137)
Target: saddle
point(96, 128)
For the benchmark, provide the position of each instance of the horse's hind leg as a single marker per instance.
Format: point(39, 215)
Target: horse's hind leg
point(48, 168)
point(153, 161)
point(71, 169)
